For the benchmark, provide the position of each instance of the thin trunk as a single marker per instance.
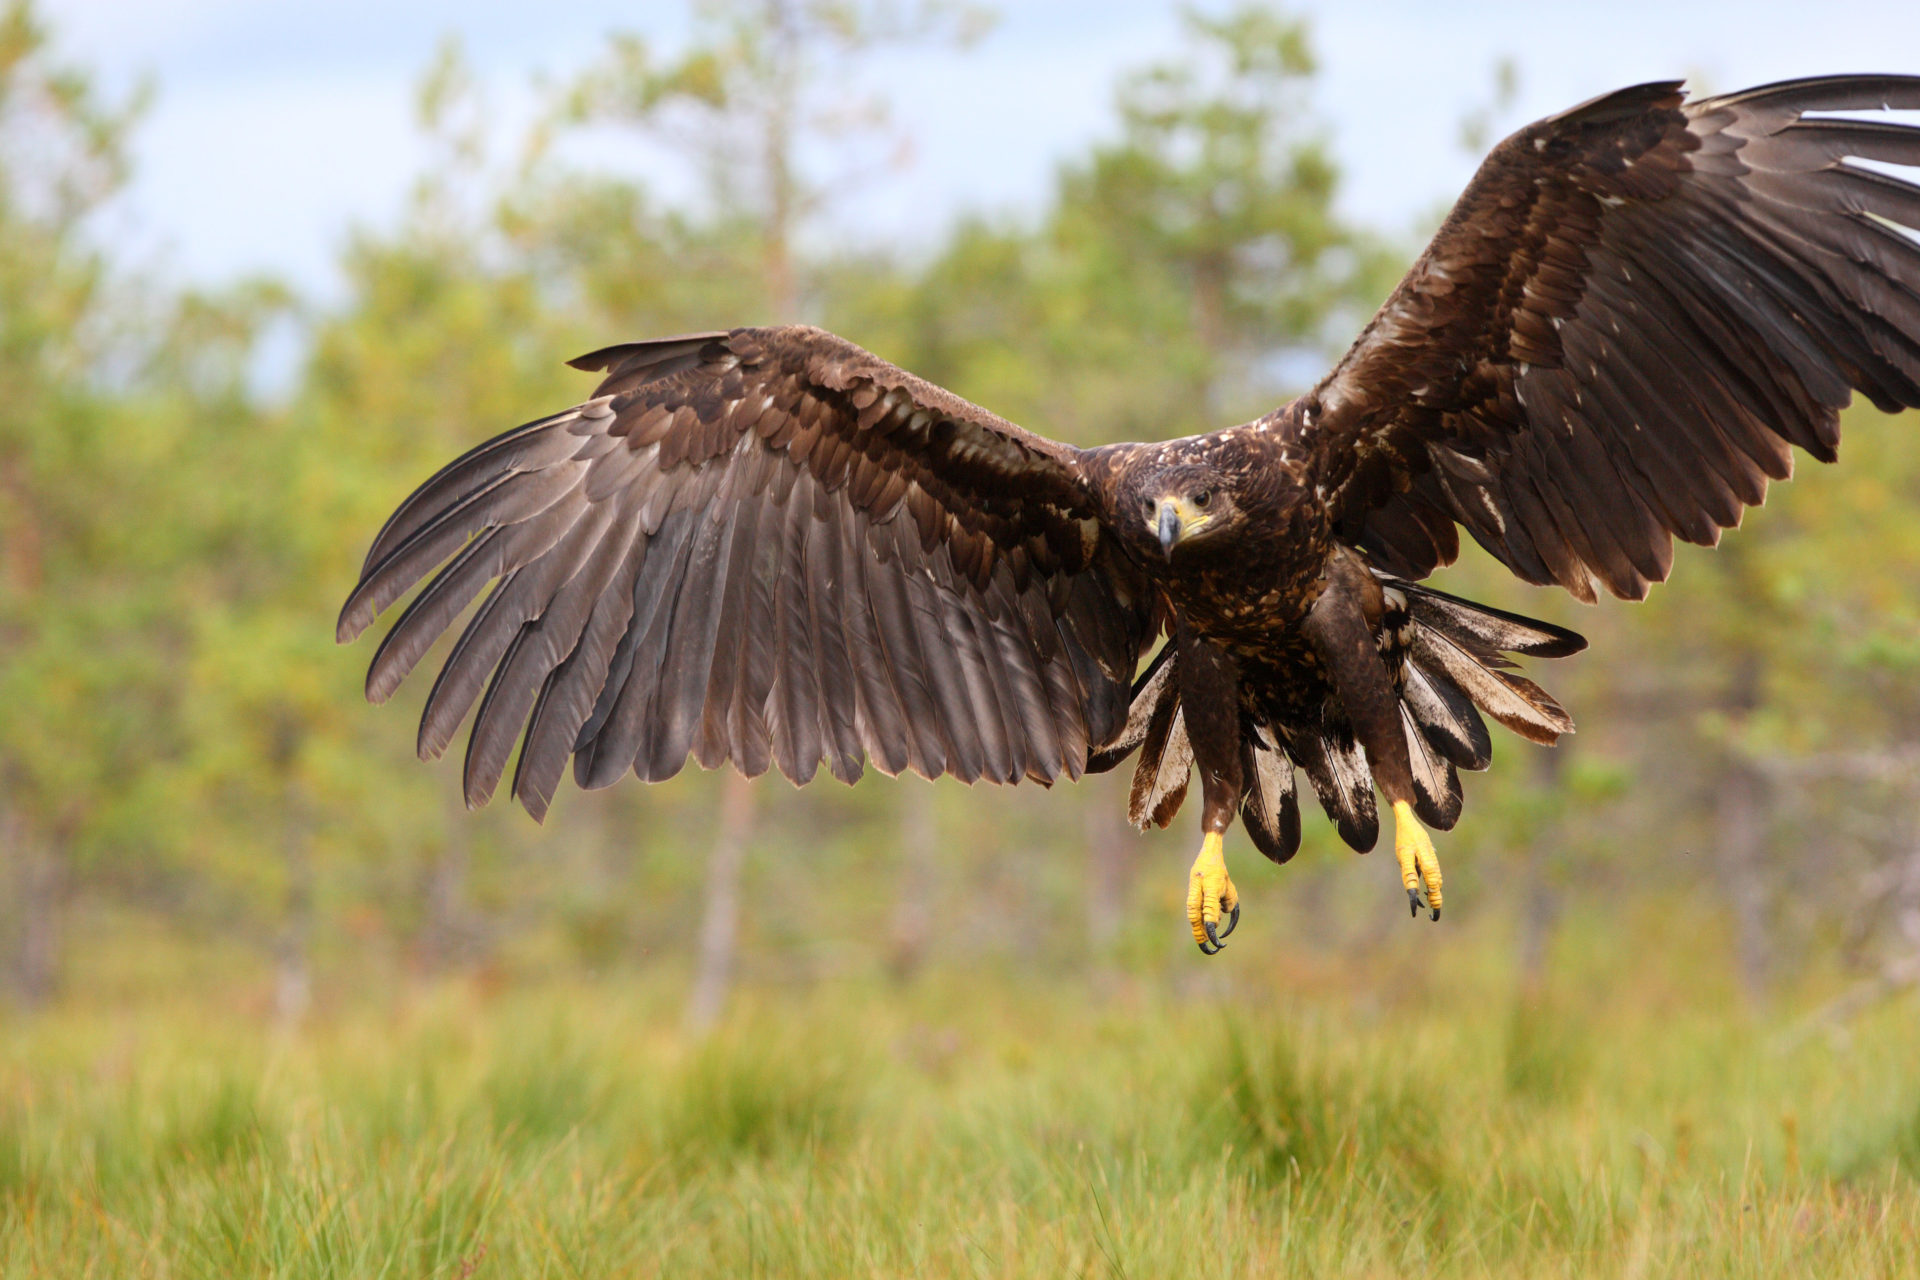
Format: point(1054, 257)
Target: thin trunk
point(1321, 922)
point(39, 883)
point(783, 290)
point(38, 880)
point(293, 967)
point(444, 933)
point(720, 921)
point(1110, 866)
point(919, 848)
point(1210, 272)
point(1740, 828)
point(1540, 901)
point(445, 940)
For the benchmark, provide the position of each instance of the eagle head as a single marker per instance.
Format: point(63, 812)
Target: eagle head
point(1181, 504)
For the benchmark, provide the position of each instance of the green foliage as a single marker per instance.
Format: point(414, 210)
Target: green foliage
point(62, 154)
point(760, 77)
point(1219, 193)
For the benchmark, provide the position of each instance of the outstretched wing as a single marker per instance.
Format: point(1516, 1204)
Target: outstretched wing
point(1633, 311)
point(760, 546)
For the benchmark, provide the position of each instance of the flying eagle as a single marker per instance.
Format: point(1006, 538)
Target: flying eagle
point(771, 547)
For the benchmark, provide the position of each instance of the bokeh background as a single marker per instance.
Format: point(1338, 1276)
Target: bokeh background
point(276, 1004)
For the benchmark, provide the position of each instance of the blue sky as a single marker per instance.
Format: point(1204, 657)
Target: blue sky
point(279, 125)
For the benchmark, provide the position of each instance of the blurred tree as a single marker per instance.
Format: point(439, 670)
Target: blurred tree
point(180, 731)
point(765, 83)
point(764, 86)
point(1217, 200)
point(1205, 234)
point(84, 695)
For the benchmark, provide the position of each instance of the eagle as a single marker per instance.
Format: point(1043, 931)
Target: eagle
point(771, 548)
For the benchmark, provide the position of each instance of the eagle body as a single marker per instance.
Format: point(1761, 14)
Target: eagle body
point(771, 548)
point(1285, 649)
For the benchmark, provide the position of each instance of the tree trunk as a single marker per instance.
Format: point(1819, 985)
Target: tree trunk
point(720, 920)
point(1740, 828)
point(443, 930)
point(39, 883)
point(293, 968)
point(1110, 865)
point(1540, 900)
point(919, 862)
point(446, 939)
point(777, 158)
point(1740, 831)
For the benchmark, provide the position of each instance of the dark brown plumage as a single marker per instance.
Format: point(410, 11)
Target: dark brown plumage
point(770, 547)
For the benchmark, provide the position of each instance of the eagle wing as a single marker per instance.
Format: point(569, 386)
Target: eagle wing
point(1634, 310)
point(766, 545)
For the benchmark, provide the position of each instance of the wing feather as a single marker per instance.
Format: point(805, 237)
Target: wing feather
point(765, 547)
point(1635, 310)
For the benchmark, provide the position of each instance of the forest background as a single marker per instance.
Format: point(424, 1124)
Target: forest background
point(234, 909)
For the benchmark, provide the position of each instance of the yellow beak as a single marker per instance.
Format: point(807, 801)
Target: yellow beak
point(1175, 519)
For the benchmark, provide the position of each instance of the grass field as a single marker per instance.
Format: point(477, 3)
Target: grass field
point(1287, 1115)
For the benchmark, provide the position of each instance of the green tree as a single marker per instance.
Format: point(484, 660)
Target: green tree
point(82, 695)
point(761, 83)
point(1190, 271)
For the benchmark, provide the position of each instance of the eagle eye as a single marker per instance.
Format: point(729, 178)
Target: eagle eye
point(1203, 497)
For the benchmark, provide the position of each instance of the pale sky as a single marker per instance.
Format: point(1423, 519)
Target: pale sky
point(280, 124)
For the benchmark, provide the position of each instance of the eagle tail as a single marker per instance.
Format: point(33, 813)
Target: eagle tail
point(1456, 666)
point(1269, 803)
point(1154, 727)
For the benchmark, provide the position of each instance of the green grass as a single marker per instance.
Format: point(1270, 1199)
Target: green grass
point(1398, 1114)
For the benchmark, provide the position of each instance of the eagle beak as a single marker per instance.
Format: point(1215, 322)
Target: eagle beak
point(1168, 527)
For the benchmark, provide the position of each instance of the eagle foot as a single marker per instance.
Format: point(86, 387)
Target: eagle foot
point(1211, 897)
point(1419, 864)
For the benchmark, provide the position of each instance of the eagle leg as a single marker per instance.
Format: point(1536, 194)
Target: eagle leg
point(1419, 864)
point(1211, 896)
point(1339, 628)
point(1210, 707)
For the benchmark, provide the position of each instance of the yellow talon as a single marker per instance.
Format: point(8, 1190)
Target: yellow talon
point(1211, 896)
point(1419, 864)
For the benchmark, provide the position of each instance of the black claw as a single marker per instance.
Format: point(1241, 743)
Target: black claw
point(1206, 951)
point(1413, 903)
point(1233, 922)
point(1213, 936)
point(1436, 915)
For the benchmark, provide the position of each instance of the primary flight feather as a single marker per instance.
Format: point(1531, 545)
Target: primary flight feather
point(771, 547)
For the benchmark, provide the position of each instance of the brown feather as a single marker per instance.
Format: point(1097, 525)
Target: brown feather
point(1632, 309)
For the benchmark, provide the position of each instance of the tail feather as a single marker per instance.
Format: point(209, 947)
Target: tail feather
point(1516, 702)
point(1154, 686)
point(1436, 785)
point(1495, 629)
point(1455, 668)
point(1338, 770)
point(1447, 718)
point(1270, 808)
point(1166, 764)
